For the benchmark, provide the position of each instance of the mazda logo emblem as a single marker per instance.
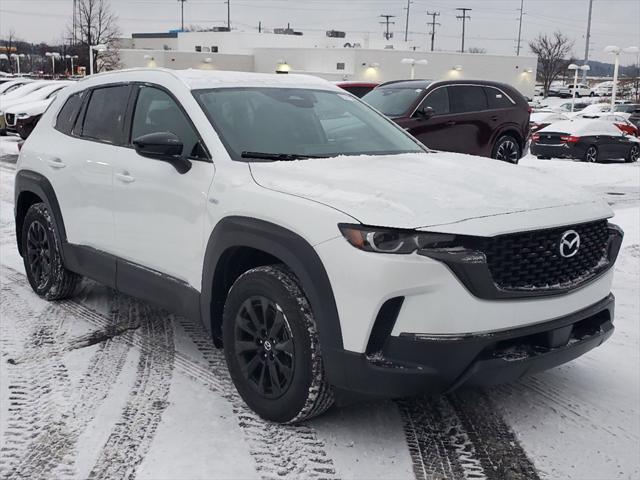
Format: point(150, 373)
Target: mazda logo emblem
point(569, 243)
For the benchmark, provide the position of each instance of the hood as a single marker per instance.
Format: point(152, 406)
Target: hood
point(430, 190)
point(30, 108)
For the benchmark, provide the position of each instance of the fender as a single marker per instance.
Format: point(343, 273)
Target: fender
point(298, 255)
point(501, 131)
point(38, 184)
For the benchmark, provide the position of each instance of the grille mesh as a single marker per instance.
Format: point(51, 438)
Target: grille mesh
point(10, 119)
point(531, 260)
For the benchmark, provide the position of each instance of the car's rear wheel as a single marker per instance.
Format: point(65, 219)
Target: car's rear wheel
point(591, 155)
point(506, 149)
point(592, 94)
point(271, 346)
point(41, 248)
point(634, 154)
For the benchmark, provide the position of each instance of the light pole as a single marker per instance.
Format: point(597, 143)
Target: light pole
point(53, 56)
point(18, 56)
point(92, 48)
point(614, 50)
point(584, 68)
point(413, 62)
point(72, 58)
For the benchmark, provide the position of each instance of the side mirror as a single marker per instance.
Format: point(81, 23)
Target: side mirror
point(163, 146)
point(426, 112)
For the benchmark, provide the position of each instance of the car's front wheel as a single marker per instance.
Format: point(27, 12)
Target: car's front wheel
point(271, 346)
point(591, 155)
point(506, 149)
point(41, 247)
point(634, 154)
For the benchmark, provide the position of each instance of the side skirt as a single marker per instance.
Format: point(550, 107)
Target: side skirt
point(155, 287)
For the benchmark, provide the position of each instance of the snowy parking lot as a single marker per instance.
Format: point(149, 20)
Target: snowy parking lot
point(104, 386)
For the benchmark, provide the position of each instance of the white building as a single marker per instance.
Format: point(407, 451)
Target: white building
point(345, 58)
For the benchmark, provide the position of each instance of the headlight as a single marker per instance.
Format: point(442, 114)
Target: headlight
point(22, 115)
point(396, 241)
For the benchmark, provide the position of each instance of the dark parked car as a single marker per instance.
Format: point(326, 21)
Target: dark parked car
point(359, 89)
point(635, 118)
point(586, 140)
point(476, 117)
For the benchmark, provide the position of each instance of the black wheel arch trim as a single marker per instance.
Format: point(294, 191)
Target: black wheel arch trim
point(296, 253)
point(28, 181)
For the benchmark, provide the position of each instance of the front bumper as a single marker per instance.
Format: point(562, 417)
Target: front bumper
point(416, 364)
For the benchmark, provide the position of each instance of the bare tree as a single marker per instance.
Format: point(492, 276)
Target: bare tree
point(97, 25)
point(552, 52)
point(9, 46)
point(479, 50)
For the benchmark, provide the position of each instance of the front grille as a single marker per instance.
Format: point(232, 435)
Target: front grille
point(532, 260)
point(10, 119)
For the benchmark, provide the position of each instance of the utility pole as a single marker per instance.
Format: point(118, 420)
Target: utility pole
point(182, 14)
point(588, 40)
point(386, 22)
point(228, 2)
point(520, 28)
point(74, 21)
point(406, 25)
point(433, 24)
point(464, 17)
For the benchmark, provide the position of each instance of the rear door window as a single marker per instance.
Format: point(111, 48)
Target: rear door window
point(67, 117)
point(467, 98)
point(438, 100)
point(497, 99)
point(105, 114)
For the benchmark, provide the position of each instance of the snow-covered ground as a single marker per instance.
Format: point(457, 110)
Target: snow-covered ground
point(152, 398)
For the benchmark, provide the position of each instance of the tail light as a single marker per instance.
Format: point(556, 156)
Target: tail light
point(535, 137)
point(570, 138)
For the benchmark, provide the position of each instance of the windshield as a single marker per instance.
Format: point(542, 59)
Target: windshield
point(393, 102)
point(288, 123)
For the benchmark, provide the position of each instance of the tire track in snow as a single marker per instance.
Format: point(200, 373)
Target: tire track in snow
point(280, 451)
point(461, 436)
point(39, 393)
point(131, 437)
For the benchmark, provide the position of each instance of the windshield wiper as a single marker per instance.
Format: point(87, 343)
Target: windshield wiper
point(279, 156)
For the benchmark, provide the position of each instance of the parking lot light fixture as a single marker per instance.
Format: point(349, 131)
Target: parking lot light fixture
point(72, 58)
point(573, 66)
point(413, 62)
point(17, 57)
point(615, 50)
point(53, 56)
point(95, 48)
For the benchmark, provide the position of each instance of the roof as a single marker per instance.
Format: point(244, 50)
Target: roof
point(199, 79)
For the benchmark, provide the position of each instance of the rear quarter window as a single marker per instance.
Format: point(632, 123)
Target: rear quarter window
point(497, 99)
point(69, 113)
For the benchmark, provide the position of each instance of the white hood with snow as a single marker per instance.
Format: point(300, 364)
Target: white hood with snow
point(433, 190)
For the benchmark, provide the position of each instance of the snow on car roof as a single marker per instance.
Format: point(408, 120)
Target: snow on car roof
point(198, 79)
point(583, 126)
point(543, 116)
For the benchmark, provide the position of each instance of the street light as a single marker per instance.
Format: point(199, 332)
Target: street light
point(96, 48)
point(584, 68)
point(18, 56)
point(413, 62)
point(72, 58)
point(53, 56)
point(614, 50)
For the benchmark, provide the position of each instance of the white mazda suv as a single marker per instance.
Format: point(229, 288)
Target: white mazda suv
point(329, 252)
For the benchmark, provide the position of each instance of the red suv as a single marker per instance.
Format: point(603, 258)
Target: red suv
point(468, 116)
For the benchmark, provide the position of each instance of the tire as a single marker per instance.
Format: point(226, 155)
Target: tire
point(592, 94)
point(507, 149)
point(591, 155)
point(577, 94)
point(41, 248)
point(271, 346)
point(633, 155)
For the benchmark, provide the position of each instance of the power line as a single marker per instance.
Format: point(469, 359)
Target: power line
point(433, 24)
point(406, 25)
point(387, 35)
point(182, 14)
point(520, 28)
point(464, 17)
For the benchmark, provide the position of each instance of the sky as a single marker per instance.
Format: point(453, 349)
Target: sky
point(493, 25)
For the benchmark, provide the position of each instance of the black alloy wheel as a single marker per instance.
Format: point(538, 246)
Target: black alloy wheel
point(38, 253)
point(507, 150)
point(591, 155)
point(634, 154)
point(264, 346)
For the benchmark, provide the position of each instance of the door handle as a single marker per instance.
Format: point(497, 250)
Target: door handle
point(56, 163)
point(494, 118)
point(124, 177)
point(450, 123)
